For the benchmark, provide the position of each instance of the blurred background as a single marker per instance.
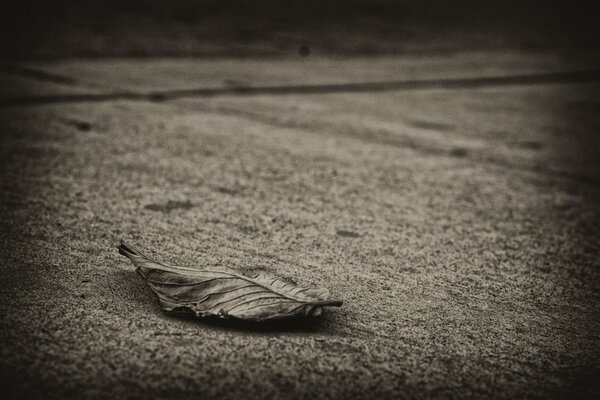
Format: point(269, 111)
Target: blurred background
point(94, 28)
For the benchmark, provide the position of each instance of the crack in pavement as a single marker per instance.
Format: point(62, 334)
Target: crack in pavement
point(585, 76)
point(49, 77)
point(37, 75)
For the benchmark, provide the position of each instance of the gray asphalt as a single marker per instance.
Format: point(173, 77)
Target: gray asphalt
point(459, 225)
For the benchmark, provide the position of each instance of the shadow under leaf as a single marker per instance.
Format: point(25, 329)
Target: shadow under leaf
point(299, 324)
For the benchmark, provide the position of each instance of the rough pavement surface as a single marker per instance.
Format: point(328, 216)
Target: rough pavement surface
point(459, 225)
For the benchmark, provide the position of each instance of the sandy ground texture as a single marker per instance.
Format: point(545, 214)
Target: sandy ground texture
point(459, 223)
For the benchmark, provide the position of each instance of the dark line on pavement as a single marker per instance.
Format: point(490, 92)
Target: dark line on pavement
point(423, 84)
point(37, 75)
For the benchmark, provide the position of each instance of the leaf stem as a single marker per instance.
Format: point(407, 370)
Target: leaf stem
point(333, 303)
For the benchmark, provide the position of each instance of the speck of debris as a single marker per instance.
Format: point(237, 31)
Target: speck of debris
point(459, 152)
point(170, 206)
point(348, 234)
point(226, 190)
point(304, 50)
point(432, 126)
point(82, 126)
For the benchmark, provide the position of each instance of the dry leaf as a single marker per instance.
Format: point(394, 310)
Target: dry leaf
point(226, 294)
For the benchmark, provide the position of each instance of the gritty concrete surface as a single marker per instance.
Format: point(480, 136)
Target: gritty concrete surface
point(460, 226)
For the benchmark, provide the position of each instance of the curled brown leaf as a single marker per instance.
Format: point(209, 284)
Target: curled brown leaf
point(226, 294)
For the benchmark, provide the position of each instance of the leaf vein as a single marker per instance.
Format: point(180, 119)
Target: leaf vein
point(268, 304)
point(240, 296)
